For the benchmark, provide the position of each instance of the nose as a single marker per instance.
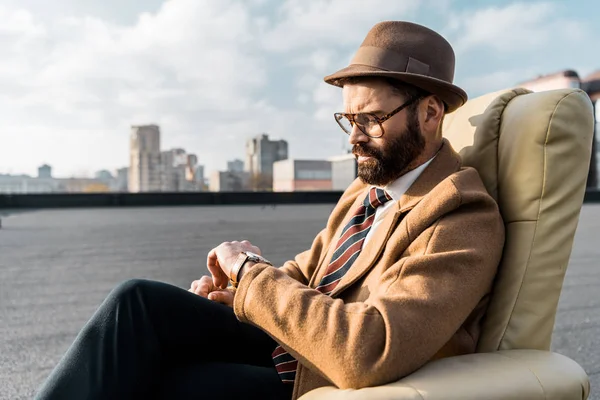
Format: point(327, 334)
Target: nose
point(357, 136)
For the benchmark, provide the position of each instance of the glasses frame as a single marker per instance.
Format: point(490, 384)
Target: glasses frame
point(379, 120)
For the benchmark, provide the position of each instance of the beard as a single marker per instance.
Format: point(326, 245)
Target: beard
point(389, 164)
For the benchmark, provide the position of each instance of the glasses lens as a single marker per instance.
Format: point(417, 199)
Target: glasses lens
point(368, 124)
point(344, 123)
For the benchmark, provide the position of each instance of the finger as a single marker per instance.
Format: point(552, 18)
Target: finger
point(212, 263)
point(205, 286)
point(222, 296)
point(211, 258)
point(219, 278)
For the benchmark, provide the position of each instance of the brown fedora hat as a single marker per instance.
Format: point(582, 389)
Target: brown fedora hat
point(410, 53)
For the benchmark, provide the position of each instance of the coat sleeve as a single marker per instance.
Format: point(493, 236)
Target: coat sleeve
point(421, 301)
point(304, 264)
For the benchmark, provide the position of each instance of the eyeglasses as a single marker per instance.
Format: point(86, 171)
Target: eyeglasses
point(369, 124)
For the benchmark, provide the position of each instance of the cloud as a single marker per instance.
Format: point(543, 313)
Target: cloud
point(191, 66)
point(303, 24)
point(197, 68)
point(212, 73)
point(517, 27)
point(496, 80)
point(19, 24)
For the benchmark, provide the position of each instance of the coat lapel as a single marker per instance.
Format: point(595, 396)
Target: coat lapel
point(446, 162)
point(371, 251)
point(324, 262)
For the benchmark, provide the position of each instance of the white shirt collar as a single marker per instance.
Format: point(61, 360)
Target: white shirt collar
point(398, 187)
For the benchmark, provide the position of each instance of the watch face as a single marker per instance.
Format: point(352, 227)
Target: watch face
point(251, 254)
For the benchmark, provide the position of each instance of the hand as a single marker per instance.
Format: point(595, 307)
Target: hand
point(220, 260)
point(204, 287)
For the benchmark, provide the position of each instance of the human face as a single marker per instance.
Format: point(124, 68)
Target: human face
point(384, 159)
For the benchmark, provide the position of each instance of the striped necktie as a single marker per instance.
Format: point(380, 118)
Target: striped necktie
point(347, 250)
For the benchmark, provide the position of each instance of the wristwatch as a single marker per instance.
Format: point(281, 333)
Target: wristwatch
point(242, 259)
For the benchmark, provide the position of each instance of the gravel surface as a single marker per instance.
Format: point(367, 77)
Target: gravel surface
point(56, 266)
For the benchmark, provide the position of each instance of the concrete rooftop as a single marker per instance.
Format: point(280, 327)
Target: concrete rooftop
point(56, 266)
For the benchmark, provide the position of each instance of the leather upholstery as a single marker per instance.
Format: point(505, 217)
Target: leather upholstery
point(532, 151)
point(502, 375)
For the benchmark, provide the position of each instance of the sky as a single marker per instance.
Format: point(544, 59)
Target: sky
point(75, 75)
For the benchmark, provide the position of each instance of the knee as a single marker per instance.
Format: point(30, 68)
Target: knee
point(128, 289)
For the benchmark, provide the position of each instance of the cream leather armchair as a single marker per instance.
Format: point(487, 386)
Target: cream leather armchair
point(532, 151)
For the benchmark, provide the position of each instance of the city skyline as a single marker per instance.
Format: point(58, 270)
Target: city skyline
point(234, 164)
point(77, 75)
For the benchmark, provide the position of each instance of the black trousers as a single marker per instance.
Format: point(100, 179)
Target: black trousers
point(151, 340)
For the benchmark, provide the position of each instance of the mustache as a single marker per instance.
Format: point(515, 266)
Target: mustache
point(359, 150)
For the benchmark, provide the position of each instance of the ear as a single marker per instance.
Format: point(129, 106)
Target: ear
point(435, 108)
point(433, 111)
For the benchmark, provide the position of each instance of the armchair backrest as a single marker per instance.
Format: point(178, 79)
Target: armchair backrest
point(532, 151)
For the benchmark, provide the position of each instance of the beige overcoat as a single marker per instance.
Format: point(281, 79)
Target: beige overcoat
point(417, 291)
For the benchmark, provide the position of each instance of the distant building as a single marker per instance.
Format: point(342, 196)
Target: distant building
point(301, 175)
point(45, 171)
point(199, 177)
point(344, 170)
point(83, 185)
point(190, 173)
point(235, 166)
point(227, 181)
point(144, 166)
point(104, 175)
point(172, 169)
point(22, 184)
point(178, 171)
point(121, 181)
point(560, 80)
point(261, 153)
point(106, 182)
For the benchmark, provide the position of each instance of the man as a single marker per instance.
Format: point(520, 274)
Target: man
point(398, 277)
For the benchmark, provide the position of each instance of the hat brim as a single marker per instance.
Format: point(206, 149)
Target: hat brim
point(453, 96)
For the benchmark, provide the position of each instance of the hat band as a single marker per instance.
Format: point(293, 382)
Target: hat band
point(389, 60)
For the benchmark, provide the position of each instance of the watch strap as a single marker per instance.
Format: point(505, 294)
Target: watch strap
point(235, 270)
point(258, 259)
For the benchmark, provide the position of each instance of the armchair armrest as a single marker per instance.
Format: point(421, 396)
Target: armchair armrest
point(501, 375)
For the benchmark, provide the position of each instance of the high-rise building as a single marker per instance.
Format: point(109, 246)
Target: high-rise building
point(172, 169)
point(199, 175)
point(261, 153)
point(144, 156)
point(199, 181)
point(229, 181)
point(45, 171)
point(121, 183)
point(190, 170)
point(235, 166)
point(178, 172)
